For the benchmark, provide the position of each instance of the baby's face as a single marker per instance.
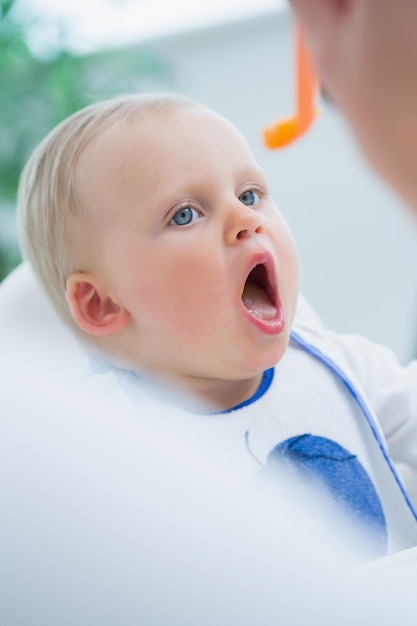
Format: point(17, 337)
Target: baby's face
point(190, 243)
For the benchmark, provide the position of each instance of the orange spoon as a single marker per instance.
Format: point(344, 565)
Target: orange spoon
point(288, 130)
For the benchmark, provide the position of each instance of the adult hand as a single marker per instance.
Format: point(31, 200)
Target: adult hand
point(366, 54)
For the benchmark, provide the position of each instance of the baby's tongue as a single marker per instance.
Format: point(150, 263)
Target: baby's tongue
point(257, 301)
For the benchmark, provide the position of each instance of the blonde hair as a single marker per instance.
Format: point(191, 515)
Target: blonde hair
point(48, 216)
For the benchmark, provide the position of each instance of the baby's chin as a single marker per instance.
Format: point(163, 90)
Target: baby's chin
point(269, 358)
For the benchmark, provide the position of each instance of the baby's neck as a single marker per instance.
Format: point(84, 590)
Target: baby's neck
point(206, 395)
point(224, 395)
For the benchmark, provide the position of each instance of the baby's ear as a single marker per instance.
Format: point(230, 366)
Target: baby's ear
point(92, 309)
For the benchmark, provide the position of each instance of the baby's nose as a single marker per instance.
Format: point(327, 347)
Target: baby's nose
point(243, 223)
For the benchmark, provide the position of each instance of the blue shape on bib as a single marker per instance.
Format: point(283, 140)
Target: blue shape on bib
point(331, 467)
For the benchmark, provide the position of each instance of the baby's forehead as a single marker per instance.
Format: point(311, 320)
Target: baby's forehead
point(152, 128)
point(147, 145)
point(156, 121)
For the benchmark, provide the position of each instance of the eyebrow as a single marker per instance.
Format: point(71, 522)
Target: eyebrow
point(255, 168)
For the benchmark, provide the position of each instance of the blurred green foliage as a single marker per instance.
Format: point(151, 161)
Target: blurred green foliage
point(36, 92)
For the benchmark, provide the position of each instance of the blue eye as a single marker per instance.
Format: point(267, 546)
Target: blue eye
point(184, 216)
point(249, 197)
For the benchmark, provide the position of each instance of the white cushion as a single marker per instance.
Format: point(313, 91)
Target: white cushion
point(32, 336)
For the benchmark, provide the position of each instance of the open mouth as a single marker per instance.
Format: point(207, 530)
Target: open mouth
point(258, 295)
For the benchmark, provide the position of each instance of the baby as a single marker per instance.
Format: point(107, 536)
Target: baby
point(150, 225)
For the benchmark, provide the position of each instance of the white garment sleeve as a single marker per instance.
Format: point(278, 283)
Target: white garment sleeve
point(391, 388)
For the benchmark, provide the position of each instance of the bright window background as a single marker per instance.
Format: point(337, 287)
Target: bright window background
point(96, 24)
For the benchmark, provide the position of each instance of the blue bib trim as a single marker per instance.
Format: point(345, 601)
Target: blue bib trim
point(267, 378)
